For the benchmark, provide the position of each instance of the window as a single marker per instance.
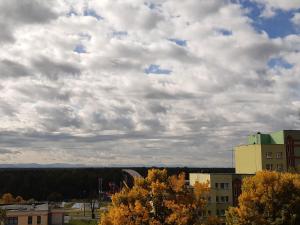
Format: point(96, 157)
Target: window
point(209, 199)
point(279, 167)
point(217, 198)
point(222, 185)
point(216, 185)
point(29, 219)
point(222, 212)
point(12, 220)
point(226, 199)
point(269, 155)
point(38, 220)
point(222, 199)
point(226, 185)
point(209, 212)
point(269, 166)
point(279, 155)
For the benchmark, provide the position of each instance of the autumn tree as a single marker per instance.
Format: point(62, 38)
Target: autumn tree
point(8, 198)
point(157, 200)
point(19, 199)
point(268, 198)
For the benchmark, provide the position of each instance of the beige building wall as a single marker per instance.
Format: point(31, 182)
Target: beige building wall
point(23, 217)
point(252, 158)
point(248, 159)
point(198, 177)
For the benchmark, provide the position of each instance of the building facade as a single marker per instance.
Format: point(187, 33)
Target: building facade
point(224, 190)
point(35, 214)
point(279, 151)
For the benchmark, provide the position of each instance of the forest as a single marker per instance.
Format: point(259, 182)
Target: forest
point(65, 184)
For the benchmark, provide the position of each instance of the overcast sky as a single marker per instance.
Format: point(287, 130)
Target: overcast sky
point(138, 82)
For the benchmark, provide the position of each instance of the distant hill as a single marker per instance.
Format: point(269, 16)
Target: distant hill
point(36, 165)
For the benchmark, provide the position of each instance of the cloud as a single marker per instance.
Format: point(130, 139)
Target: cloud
point(296, 19)
point(271, 7)
point(6, 151)
point(6, 34)
point(16, 13)
point(74, 88)
point(11, 69)
point(280, 4)
point(54, 70)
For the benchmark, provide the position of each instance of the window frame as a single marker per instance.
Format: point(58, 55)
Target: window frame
point(279, 155)
point(269, 166)
point(29, 220)
point(12, 220)
point(38, 220)
point(269, 155)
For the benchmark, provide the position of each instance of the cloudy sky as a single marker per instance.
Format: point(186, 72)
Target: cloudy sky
point(145, 82)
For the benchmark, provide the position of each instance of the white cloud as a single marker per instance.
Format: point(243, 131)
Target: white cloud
point(270, 6)
point(100, 108)
point(280, 4)
point(296, 19)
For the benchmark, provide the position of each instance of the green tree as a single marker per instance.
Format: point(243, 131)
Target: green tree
point(268, 198)
point(158, 200)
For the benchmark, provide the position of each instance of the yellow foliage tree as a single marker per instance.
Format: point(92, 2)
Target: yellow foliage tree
point(8, 198)
point(268, 198)
point(19, 199)
point(158, 200)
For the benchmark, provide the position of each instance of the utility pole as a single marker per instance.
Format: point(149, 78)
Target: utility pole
point(232, 156)
point(100, 186)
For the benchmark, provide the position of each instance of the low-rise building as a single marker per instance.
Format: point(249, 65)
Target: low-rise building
point(34, 214)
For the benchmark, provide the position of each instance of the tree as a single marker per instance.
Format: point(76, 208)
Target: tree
point(8, 198)
point(55, 197)
point(157, 200)
point(2, 216)
point(19, 199)
point(268, 198)
point(93, 199)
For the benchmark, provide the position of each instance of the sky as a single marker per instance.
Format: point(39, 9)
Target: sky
point(145, 82)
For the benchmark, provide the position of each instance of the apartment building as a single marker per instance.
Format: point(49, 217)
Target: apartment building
point(35, 214)
point(224, 190)
point(278, 151)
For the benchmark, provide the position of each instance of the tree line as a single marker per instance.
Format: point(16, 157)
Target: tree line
point(57, 184)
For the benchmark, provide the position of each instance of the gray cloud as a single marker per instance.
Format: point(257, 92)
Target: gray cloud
point(26, 11)
point(17, 13)
point(55, 70)
point(6, 35)
point(11, 69)
point(7, 151)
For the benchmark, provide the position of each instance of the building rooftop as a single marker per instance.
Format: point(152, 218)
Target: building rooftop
point(26, 207)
